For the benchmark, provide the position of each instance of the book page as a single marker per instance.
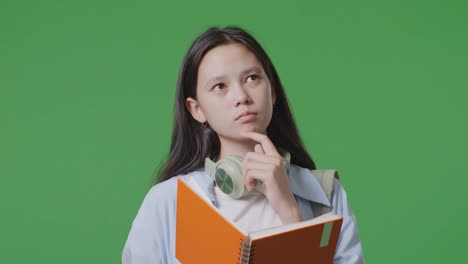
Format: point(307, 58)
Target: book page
point(279, 229)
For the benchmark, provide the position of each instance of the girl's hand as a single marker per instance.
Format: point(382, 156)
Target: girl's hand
point(266, 165)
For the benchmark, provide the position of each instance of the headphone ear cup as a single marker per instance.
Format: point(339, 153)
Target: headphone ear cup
point(228, 176)
point(224, 181)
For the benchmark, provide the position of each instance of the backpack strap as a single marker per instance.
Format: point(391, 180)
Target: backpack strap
point(326, 179)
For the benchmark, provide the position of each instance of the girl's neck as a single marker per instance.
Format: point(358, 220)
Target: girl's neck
point(240, 148)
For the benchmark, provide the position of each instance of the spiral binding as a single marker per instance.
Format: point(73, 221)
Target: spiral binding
point(246, 253)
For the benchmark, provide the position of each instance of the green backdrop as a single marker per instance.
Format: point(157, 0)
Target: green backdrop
point(378, 90)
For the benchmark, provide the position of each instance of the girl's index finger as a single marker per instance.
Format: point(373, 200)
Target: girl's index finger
point(266, 143)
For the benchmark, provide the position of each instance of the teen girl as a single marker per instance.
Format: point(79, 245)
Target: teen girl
point(230, 100)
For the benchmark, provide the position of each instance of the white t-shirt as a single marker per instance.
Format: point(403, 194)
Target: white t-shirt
point(250, 213)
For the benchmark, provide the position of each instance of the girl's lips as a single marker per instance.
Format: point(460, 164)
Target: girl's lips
point(247, 118)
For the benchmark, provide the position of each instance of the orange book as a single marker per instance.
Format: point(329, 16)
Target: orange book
point(204, 236)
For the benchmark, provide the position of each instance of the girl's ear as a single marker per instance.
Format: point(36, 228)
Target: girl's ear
point(194, 108)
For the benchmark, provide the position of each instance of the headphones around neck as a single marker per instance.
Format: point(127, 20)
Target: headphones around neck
point(228, 177)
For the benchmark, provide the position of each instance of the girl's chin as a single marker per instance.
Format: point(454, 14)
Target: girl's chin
point(253, 128)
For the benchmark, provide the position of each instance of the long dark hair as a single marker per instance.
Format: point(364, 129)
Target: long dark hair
point(192, 142)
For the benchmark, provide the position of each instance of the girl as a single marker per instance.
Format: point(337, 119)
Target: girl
point(230, 100)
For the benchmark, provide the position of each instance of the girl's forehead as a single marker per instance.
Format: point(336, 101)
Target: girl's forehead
point(233, 57)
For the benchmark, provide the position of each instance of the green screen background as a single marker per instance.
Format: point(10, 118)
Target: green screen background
point(378, 90)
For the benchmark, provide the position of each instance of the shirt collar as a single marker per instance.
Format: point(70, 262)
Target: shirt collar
point(302, 181)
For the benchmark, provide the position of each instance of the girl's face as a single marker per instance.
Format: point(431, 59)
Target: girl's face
point(231, 81)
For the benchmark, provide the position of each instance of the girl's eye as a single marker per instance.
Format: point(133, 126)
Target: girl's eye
point(218, 85)
point(255, 76)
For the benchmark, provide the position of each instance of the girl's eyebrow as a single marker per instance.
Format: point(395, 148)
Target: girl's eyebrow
point(217, 78)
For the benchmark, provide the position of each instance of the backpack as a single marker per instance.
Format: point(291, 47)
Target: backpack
point(326, 179)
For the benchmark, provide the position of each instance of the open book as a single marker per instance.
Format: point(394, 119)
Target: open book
point(205, 236)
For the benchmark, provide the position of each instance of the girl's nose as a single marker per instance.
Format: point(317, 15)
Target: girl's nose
point(242, 97)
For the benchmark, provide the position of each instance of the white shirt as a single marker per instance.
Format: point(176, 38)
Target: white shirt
point(250, 213)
